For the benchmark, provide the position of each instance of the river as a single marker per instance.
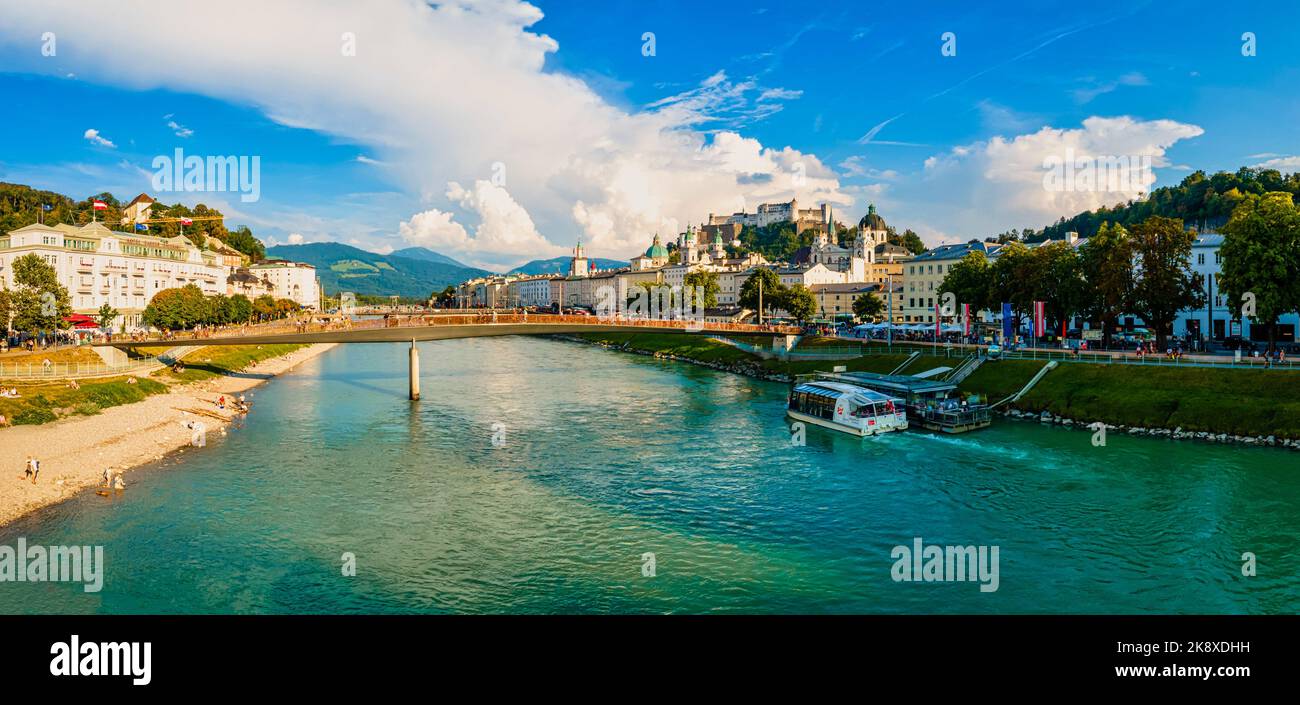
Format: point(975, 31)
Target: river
point(536, 475)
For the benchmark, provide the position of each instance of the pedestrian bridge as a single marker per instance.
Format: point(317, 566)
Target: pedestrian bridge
point(414, 328)
point(420, 327)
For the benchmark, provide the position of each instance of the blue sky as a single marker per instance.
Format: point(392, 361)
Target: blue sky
point(403, 142)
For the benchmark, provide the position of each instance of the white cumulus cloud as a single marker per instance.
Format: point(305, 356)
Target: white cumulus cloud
point(92, 135)
point(983, 188)
point(442, 93)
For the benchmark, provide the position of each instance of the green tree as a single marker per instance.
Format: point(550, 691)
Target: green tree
point(264, 307)
point(799, 302)
point(446, 297)
point(708, 281)
point(177, 308)
point(106, 315)
point(39, 302)
point(1165, 283)
point(238, 309)
point(1261, 258)
point(766, 280)
point(868, 306)
point(910, 240)
point(1012, 281)
point(242, 239)
point(970, 280)
point(1106, 260)
point(1059, 282)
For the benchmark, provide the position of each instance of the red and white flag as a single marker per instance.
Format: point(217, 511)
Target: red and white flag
point(100, 205)
point(186, 221)
point(965, 317)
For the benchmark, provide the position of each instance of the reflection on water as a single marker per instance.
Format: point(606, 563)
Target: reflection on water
point(607, 457)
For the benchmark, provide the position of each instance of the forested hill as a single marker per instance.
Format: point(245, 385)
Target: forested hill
point(20, 206)
point(1199, 200)
point(345, 268)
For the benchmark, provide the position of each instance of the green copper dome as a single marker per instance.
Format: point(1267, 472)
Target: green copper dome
point(657, 250)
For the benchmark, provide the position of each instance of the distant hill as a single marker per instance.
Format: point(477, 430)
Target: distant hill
point(427, 255)
point(344, 268)
point(22, 205)
point(560, 265)
point(1201, 200)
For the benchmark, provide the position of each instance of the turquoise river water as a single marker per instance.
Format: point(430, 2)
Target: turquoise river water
point(601, 457)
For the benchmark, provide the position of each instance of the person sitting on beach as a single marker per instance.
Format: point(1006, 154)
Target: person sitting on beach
point(3, 421)
point(118, 484)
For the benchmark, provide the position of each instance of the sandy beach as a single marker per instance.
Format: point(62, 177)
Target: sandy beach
point(75, 451)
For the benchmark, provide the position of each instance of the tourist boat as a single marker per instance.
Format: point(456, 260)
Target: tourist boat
point(846, 407)
point(932, 404)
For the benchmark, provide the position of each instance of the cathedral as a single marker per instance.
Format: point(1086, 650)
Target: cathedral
point(694, 251)
point(855, 261)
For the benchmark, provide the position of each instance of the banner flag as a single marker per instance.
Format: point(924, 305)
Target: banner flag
point(1008, 335)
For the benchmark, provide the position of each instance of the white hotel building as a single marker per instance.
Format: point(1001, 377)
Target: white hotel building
point(290, 280)
point(1220, 317)
point(100, 266)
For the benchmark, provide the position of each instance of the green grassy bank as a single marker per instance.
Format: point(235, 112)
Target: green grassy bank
point(1237, 402)
point(47, 401)
point(50, 400)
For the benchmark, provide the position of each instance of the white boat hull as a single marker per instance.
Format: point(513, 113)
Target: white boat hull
point(845, 428)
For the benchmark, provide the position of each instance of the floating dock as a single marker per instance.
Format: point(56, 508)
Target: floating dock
point(931, 403)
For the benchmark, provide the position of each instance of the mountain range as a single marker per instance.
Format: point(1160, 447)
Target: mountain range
point(560, 265)
point(345, 268)
point(414, 272)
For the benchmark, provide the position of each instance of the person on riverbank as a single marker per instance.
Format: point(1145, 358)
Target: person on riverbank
point(118, 484)
point(33, 469)
point(108, 476)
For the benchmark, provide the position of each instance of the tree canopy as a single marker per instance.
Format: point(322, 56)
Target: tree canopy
point(1261, 259)
point(708, 281)
point(1165, 284)
point(38, 302)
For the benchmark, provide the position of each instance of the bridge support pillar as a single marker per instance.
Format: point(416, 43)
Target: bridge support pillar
point(415, 371)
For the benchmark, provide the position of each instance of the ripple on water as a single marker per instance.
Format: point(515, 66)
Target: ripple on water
point(606, 458)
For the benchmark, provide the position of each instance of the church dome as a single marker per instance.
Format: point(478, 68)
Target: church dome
point(657, 249)
point(872, 220)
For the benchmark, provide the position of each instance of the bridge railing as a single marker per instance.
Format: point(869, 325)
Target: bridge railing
point(72, 370)
point(431, 320)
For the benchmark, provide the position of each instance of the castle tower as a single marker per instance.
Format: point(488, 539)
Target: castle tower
point(688, 247)
point(579, 266)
